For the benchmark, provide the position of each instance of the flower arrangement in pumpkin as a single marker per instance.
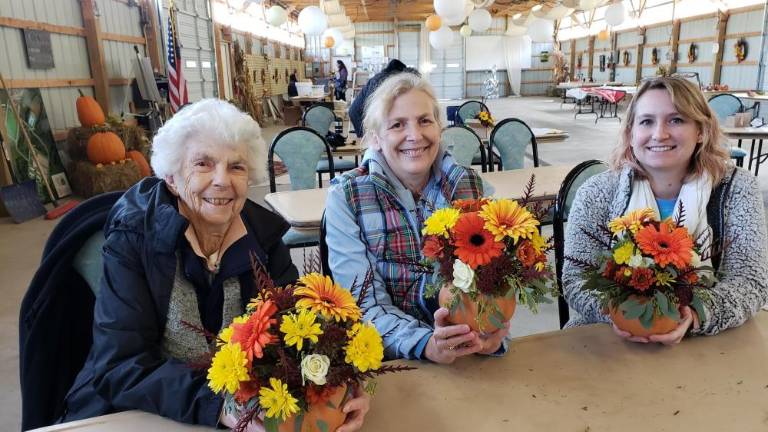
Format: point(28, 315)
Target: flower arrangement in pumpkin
point(296, 349)
point(647, 270)
point(485, 119)
point(483, 251)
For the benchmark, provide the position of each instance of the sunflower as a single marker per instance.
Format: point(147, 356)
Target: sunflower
point(475, 246)
point(365, 349)
point(253, 335)
point(441, 221)
point(667, 245)
point(631, 221)
point(228, 369)
point(505, 217)
point(321, 295)
point(277, 400)
point(298, 327)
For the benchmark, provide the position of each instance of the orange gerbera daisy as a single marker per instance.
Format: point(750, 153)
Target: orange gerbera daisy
point(321, 295)
point(253, 335)
point(507, 218)
point(667, 245)
point(475, 245)
point(470, 205)
point(432, 248)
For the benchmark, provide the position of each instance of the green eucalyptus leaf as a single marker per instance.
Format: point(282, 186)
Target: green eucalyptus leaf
point(632, 308)
point(496, 319)
point(322, 425)
point(698, 306)
point(662, 301)
point(299, 421)
point(646, 319)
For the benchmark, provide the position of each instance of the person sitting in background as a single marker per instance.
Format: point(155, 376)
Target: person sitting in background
point(178, 250)
point(341, 81)
point(292, 91)
point(375, 215)
point(671, 152)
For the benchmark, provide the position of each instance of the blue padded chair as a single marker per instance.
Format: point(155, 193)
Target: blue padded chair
point(510, 138)
point(725, 105)
point(300, 149)
point(578, 175)
point(320, 118)
point(468, 110)
point(464, 145)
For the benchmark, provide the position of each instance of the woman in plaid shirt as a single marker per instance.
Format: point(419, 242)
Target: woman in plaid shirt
point(375, 213)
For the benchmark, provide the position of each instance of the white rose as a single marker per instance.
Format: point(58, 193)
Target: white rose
point(314, 367)
point(695, 260)
point(463, 275)
point(636, 261)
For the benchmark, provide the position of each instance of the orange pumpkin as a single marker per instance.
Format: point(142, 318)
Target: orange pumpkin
point(141, 161)
point(105, 147)
point(466, 312)
point(328, 413)
point(661, 324)
point(89, 111)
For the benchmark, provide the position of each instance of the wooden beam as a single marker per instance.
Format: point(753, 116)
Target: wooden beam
point(590, 56)
point(151, 34)
point(34, 25)
point(572, 69)
point(722, 24)
point(675, 45)
point(95, 48)
point(219, 60)
point(639, 60)
point(137, 40)
point(50, 83)
point(614, 43)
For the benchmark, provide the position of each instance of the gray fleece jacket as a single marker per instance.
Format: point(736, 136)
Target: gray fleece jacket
point(736, 215)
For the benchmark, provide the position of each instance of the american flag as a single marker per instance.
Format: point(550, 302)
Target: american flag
point(177, 85)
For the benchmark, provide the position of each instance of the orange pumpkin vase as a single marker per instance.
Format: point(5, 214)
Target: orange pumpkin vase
point(467, 311)
point(105, 148)
point(661, 324)
point(320, 416)
point(141, 161)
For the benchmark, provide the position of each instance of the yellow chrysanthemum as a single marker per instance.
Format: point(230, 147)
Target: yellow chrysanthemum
point(538, 242)
point(624, 253)
point(441, 222)
point(631, 221)
point(365, 349)
point(506, 218)
point(228, 369)
point(664, 279)
point(321, 295)
point(226, 335)
point(277, 400)
point(300, 327)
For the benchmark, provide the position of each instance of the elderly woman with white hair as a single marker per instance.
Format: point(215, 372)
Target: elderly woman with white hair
point(178, 250)
point(375, 215)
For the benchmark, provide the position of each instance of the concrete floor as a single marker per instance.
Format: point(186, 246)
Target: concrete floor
point(21, 245)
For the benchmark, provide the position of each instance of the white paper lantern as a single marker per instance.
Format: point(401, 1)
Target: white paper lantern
point(312, 21)
point(540, 30)
point(465, 31)
point(334, 33)
point(276, 16)
point(468, 7)
point(442, 38)
point(589, 4)
point(558, 12)
point(515, 30)
point(450, 8)
point(480, 20)
point(615, 14)
point(453, 20)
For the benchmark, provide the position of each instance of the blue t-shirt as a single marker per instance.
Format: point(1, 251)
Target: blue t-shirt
point(666, 207)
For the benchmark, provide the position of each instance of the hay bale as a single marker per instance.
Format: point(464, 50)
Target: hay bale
point(133, 137)
point(88, 179)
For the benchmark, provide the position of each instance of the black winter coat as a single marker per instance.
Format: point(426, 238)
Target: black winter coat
point(357, 109)
point(125, 368)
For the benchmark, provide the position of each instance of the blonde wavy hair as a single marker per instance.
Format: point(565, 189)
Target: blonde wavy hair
point(710, 156)
point(380, 103)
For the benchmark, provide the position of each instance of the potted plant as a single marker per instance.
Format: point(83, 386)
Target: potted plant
point(293, 359)
point(485, 256)
point(647, 270)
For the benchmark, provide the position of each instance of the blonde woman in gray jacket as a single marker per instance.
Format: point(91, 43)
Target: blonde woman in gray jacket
point(671, 151)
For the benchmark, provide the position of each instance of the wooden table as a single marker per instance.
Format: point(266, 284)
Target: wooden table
point(310, 98)
point(304, 208)
point(757, 135)
point(581, 379)
point(541, 134)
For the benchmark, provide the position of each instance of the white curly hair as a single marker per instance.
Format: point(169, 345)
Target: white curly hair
point(217, 123)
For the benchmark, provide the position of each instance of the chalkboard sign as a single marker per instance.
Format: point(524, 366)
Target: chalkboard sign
point(38, 45)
